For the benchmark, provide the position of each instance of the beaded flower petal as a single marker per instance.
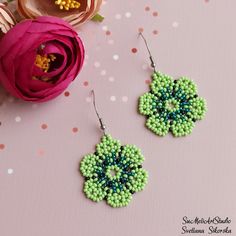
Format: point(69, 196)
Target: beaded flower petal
point(113, 172)
point(172, 105)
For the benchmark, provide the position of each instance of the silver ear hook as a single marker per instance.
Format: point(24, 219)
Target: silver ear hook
point(102, 125)
point(153, 64)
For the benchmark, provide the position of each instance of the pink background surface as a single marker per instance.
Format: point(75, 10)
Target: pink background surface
point(40, 186)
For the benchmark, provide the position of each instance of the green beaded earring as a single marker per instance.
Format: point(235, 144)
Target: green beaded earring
point(114, 172)
point(171, 105)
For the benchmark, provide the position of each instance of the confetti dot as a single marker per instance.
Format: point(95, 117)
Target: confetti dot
point(2, 146)
point(147, 8)
point(134, 50)
point(10, 171)
point(118, 16)
point(75, 130)
point(97, 64)
point(41, 152)
point(124, 99)
point(86, 83)
point(206, 1)
point(155, 13)
point(88, 99)
point(175, 24)
point(116, 57)
point(103, 72)
point(128, 14)
point(113, 98)
point(44, 126)
point(155, 32)
point(140, 30)
point(104, 28)
point(67, 94)
point(147, 81)
point(86, 57)
point(108, 32)
point(111, 79)
point(18, 119)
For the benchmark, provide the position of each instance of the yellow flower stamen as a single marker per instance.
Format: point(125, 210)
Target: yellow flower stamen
point(67, 4)
point(43, 62)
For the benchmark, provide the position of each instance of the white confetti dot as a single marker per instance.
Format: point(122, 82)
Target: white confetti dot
point(97, 64)
point(18, 119)
point(127, 14)
point(111, 41)
point(111, 79)
point(116, 57)
point(175, 24)
point(118, 16)
point(104, 28)
point(113, 98)
point(10, 171)
point(124, 99)
point(103, 72)
point(88, 99)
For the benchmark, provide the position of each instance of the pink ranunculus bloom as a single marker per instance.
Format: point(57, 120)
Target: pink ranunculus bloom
point(39, 58)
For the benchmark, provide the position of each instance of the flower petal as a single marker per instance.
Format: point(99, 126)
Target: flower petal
point(198, 108)
point(182, 127)
point(138, 181)
point(161, 83)
point(120, 199)
point(132, 155)
point(185, 87)
point(147, 104)
point(88, 165)
point(94, 190)
point(108, 146)
point(158, 125)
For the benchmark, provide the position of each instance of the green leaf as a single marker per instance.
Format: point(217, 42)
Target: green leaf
point(98, 18)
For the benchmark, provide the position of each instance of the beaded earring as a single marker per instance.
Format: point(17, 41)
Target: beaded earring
point(171, 105)
point(114, 172)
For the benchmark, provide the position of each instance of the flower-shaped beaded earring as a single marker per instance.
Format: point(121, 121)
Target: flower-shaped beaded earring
point(114, 172)
point(171, 105)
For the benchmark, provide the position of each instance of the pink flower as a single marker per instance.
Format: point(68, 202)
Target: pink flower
point(39, 58)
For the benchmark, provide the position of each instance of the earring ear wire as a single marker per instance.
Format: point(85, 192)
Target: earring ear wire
point(153, 64)
point(102, 125)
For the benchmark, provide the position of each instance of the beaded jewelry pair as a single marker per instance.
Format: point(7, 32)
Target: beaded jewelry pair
point(114, 172)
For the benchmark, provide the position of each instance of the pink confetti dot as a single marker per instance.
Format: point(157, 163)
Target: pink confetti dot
point(108, 32)
point(155, 13)
point(155, 32)
point(206, 1)
point(44, 126)
point(75, 130)
point(41, 152)
point(147, 81)
point(2, 146)
point(147, 8)
point(86, 83)
point(140, 30)
point(134, 50)
point(67, 94)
